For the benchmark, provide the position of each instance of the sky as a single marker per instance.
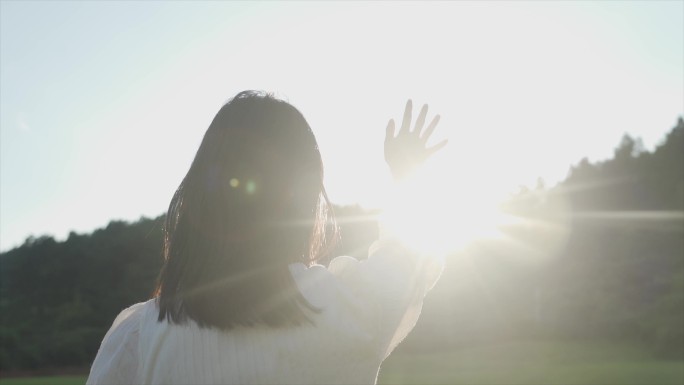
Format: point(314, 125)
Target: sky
point(103, 104)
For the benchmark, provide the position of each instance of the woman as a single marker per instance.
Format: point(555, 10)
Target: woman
point(240, 298)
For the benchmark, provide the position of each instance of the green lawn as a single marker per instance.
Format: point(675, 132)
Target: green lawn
point(507, 363)
point(533, 363)
point(55, 380)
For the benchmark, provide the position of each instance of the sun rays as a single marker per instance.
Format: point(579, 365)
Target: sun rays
point(434, 214)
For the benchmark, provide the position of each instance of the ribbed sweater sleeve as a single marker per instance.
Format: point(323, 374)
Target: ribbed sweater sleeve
point(390, 286)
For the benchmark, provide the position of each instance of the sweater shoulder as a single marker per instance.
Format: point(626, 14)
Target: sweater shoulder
point(117, 358)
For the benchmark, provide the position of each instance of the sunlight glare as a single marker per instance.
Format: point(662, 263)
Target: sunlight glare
point(432, 214)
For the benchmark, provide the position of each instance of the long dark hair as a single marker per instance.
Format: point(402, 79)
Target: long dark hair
point(252, 203)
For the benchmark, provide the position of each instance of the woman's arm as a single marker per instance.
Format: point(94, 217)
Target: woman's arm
point(390, 285)
point(405, 153)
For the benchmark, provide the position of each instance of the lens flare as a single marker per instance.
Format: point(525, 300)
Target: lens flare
point(250, 187)
point(433, 215)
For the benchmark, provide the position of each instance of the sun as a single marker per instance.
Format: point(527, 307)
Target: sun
point(435, 214)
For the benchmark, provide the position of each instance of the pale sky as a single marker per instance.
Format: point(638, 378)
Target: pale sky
point(103, 104)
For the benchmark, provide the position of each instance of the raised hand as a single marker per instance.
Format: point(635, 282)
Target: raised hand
point(408, 150)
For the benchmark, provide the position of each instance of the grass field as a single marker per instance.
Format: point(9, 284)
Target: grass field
point(533, 363)
point(510, 363)
point(55, 380)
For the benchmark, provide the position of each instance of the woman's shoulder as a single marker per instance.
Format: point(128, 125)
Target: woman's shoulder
point(117, 357)
point(128, 320)
point(134, 310)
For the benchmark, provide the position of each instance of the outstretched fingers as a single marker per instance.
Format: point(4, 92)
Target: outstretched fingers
point(406, 123)
point(389, 131)
point(436, 147)
point(430, 129)
point(420, 122)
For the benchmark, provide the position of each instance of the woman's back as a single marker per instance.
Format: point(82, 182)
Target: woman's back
point(362, 319)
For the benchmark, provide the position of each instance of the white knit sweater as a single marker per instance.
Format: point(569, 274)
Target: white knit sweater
point(368, 307)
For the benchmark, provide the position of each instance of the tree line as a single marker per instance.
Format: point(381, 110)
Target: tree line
point(598, 256)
